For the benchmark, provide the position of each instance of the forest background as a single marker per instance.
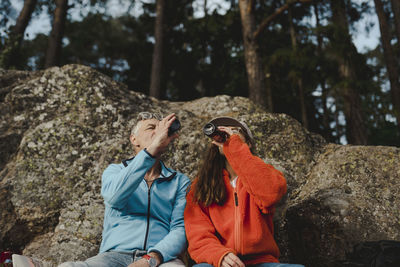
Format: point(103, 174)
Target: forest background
point(291, 56)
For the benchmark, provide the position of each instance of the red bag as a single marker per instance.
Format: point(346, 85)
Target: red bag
point(6, 258)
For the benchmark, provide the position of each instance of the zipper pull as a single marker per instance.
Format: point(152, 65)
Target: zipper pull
point(236, 200)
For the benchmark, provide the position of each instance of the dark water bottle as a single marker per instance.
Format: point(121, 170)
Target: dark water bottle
point(175, 126)
point(212, 131)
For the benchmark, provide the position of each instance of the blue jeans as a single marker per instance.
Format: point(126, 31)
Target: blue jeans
point(114, 259)
point(105, 259)
point(266, 264)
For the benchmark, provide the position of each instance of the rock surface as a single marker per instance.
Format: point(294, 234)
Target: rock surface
point(61, 127)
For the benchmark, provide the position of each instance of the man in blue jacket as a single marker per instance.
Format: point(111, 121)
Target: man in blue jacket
point(144, 203)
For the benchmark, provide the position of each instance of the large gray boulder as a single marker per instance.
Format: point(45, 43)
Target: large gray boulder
point(61, 127)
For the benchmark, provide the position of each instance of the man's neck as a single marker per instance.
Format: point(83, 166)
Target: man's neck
point(154, 172)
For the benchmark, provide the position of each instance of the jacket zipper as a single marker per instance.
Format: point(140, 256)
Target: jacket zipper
point(237, 225)
point(148, 216)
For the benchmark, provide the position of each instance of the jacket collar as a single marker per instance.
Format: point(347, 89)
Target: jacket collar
point(227, 180)
point(165, 175)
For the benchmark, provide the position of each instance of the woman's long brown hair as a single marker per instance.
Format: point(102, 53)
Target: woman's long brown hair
point(209, 187)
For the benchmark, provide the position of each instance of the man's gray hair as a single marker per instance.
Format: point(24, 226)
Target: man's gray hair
point(144, 116)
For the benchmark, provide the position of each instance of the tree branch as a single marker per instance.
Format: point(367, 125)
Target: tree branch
point(250, 6)
point(277, 12)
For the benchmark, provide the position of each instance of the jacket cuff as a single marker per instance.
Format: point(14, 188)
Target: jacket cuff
point(233, 143)
point(233, 138)
point(159, 253)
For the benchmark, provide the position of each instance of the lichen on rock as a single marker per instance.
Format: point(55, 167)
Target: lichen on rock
point(61, 127)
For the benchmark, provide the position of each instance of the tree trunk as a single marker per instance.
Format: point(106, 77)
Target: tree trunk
point(24, 17)
point(53, 53)
point(156, 67)
point(337, 123)
point(390, 58)
point(324, 96)
point(255, 74)
point(17, 33)
point(396, 12)
point(356, 131)
point(203, 87)
point(299, 80)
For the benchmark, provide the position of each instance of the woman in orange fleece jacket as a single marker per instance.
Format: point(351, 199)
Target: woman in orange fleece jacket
point(230, 206)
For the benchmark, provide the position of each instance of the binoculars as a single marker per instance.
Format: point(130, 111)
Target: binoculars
point(212, 131)
point(175, 126)
point(209, 130)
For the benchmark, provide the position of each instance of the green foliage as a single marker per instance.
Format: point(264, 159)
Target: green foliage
point(6, 45)
point(204, 56)
point(7, 50)
point(6, 11)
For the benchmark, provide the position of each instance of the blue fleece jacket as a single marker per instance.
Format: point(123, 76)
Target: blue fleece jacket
point(139, 217)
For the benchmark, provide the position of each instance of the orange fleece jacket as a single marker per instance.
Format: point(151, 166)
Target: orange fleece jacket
point(243, 225)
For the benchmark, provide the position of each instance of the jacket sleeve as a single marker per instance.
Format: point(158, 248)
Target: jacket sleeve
point(174, 243)
point(204, 245)
point(262, 181)
point(118, 182)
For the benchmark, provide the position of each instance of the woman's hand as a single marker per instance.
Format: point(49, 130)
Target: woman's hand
point(231, 260)
point(229, 131)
